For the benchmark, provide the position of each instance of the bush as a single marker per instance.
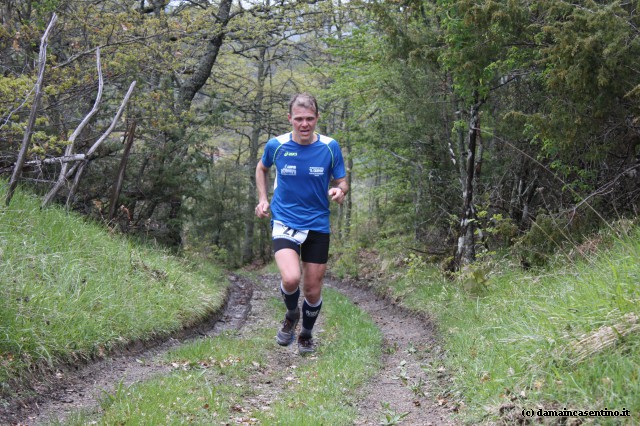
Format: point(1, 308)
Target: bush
point(546, 235)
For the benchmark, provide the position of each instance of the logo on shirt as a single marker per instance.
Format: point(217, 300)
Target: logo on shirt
point(316, 171)
point(288, 170)
point(290, 154)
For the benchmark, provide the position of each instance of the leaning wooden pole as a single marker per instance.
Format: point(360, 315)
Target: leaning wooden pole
point(22, 155)
point(117, 187)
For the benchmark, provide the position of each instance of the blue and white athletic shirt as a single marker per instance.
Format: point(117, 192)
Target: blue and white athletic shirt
point(303, 174)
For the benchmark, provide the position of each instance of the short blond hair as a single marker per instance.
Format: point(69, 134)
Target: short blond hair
point(304, 100)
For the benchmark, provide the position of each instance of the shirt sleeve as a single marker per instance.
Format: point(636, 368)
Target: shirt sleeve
point(339, 171)
point(267, 156)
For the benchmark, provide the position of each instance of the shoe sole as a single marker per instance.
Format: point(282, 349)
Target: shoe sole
point(306, 351)
point(283, 341)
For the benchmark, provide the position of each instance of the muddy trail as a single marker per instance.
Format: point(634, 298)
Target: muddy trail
point(406, 384)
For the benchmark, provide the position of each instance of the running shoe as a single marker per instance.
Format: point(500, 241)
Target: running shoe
point(306, 345)
point(287, 332)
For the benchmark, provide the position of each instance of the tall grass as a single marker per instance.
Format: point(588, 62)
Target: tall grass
point(69, 290)
point(564, 337)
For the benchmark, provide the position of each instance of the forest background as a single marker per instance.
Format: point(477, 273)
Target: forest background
point(485, 142)
point(468, 127)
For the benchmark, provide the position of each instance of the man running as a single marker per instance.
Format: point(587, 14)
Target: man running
point(309, 172)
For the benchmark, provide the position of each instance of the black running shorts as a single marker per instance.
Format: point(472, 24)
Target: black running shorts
point(314, 249)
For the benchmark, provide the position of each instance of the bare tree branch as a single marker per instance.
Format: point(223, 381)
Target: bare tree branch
point(104, 136)
point(111, 44)
point(16, 109)
point(49, 197)
point(69, 150)
point(42, 60)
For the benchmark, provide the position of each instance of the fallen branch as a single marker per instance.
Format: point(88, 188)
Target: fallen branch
point(56, 160)
point(603, 338)
point(47, 161)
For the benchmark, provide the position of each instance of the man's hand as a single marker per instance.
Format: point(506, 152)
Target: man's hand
point(262, 209)
point(336, 194)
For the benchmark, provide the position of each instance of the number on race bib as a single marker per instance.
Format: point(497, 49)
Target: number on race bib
point(280, 230)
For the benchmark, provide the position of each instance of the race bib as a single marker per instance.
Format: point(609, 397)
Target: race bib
point(280, 230)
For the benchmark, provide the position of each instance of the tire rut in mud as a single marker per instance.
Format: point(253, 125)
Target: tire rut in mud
point(407, 383)
point(408, 386)
point(72, 389)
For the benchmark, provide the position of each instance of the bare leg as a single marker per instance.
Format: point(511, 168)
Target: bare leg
point(289, 265)
point(313, 276)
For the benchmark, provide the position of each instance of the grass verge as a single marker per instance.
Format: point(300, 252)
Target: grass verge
point(553, 339)
point(70, 291)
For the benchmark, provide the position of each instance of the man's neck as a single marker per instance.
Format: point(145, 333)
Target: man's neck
point(299, 141)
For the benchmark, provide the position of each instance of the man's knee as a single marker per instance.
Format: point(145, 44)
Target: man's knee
point(290, 282)
point(288, 264)
point(313, 291)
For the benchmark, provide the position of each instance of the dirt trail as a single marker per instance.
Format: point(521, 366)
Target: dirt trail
point(411, 367)
point(405, 385)
point(73, 390)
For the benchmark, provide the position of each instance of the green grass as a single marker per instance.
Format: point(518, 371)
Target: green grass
point(515, 339)
point(224, 380)
point(350, 353)
point(69, 290)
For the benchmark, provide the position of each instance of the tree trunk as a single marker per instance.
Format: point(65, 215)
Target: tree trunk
point(187, 92)
point(476, 178)
point(348, 149)
point(465, 253)
point(190, 87)
point(374, 204)
point(249, 221)
point(419, 182)
point(462, 171)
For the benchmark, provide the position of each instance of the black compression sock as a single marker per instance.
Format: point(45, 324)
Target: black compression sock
point(290, 299)
point(310, 314)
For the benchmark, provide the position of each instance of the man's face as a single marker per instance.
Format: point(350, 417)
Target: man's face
point(304, 122)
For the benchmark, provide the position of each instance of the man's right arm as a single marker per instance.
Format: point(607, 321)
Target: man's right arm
point(262, 180)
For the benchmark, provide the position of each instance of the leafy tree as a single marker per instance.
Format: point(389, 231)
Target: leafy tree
point(259, 70)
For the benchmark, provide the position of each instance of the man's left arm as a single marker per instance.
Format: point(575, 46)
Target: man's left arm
point(338, 190)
